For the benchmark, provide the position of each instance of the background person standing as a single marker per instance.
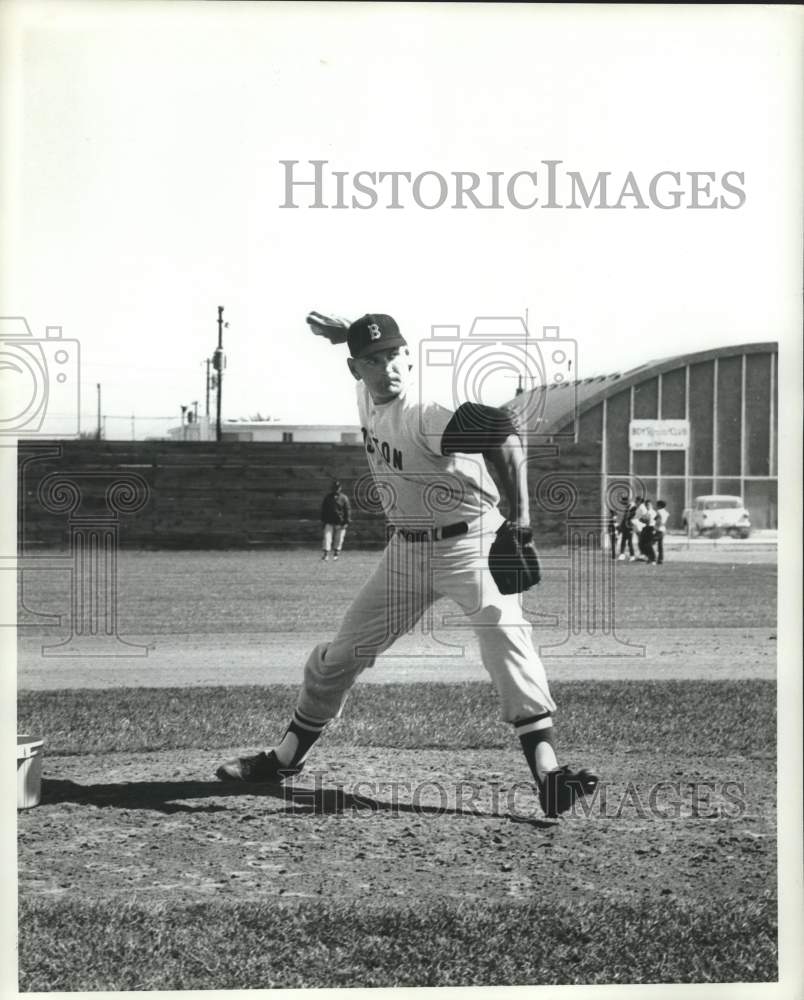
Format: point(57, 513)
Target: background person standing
point(626, 532)
point(646, 535)
point(611, 528)
point(637, 524)
point(662, 517)
point(335, 513)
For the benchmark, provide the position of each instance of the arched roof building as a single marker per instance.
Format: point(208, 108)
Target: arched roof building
point(727, 399)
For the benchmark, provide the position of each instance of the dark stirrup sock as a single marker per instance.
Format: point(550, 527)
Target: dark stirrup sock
point(299, 738)
point(536, 738)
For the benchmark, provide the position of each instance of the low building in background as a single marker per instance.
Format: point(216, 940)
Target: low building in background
point(697, 424)
point(267, 430)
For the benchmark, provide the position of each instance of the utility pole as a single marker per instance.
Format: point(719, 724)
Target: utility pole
point(209, 383)
point(195, 411)
point(98, 385)
point(525, 430)
point(217, 364)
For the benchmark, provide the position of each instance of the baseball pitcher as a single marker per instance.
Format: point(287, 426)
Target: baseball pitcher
point(430, 467)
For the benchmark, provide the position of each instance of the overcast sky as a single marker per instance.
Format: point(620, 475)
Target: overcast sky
point(143, 184)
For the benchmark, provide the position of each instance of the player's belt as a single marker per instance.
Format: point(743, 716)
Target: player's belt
point(433, 534)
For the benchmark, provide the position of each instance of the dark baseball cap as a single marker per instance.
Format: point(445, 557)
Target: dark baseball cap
point(373, 332)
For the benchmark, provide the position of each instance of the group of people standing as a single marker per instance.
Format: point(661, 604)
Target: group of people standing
point(642, 526)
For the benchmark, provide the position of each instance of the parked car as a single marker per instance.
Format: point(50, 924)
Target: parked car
point(717, 514)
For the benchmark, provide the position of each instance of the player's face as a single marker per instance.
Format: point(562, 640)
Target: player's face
point(384, 373)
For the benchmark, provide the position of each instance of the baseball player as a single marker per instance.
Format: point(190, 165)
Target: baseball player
point(335, 513)
point(428, 462)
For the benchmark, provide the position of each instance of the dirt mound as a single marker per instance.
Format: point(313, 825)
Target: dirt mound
point(421, 825)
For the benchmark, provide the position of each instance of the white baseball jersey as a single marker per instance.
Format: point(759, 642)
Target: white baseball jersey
point(417, 483)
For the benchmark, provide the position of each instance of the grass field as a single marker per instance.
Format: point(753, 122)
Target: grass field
point(704, 717)
point(411, 853)
point(240, 946)
point(211, 618)
point(161, 593)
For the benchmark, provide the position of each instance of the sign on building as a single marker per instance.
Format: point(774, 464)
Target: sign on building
point(659, 435)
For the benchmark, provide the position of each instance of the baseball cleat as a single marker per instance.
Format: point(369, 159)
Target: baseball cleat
point(561, 787)
point(262, 768)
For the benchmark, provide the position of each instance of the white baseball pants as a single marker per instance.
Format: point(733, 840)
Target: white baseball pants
point(409, 578)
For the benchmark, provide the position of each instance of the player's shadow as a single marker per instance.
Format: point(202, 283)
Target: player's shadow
point(173, 797)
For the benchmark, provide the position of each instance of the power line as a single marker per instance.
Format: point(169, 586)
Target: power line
point(84, 412)
point(127, 367)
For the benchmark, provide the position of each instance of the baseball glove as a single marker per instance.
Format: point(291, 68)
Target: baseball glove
point(513, 561)
point(328, 325)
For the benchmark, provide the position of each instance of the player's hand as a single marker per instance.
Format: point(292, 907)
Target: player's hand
point(328, 325)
